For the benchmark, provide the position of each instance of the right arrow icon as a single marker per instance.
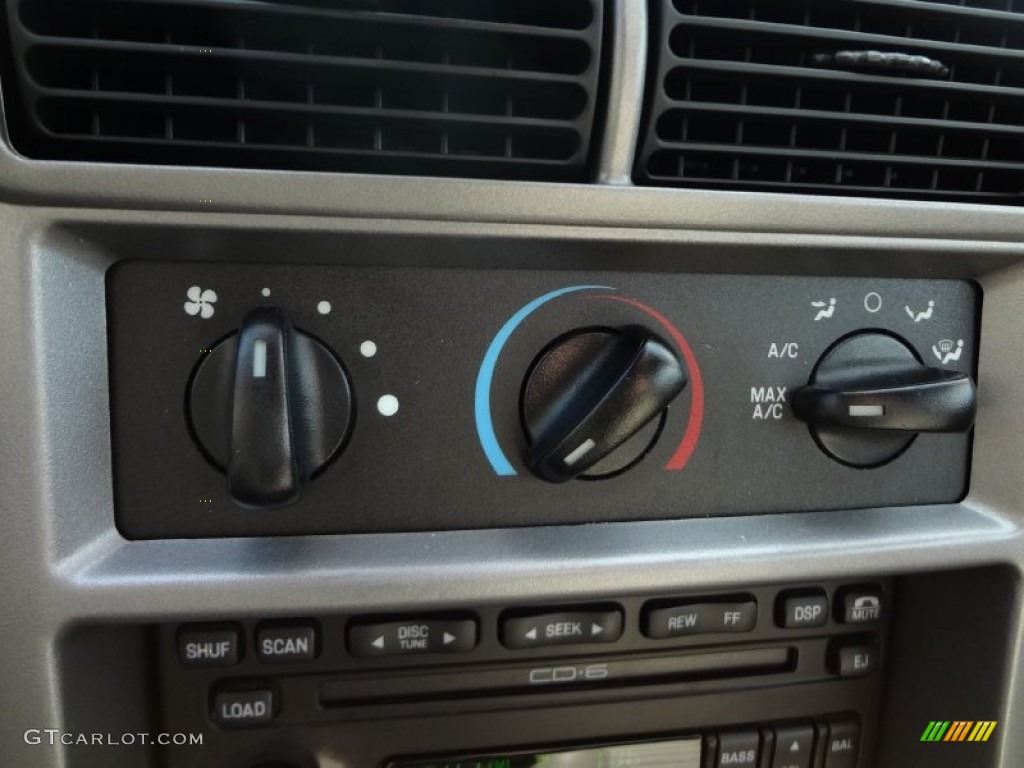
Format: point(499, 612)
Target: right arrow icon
point(596, 629)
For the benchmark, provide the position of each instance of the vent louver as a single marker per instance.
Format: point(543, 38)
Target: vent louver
point(761, 95)
point(476, 88)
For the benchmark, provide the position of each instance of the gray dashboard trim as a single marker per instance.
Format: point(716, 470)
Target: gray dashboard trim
point(65, 564)
point(30, 182)
point(627, 76)
point(69, 565)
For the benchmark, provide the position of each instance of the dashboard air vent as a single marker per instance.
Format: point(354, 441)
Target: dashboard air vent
point(920, 99)
point(476, 88)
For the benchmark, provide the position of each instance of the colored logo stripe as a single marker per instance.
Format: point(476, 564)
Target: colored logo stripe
point(982, 730)
point(958, 730)
point(935, 730)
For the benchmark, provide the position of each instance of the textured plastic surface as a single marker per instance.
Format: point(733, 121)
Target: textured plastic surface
point(755, 96)
point(453, 348)
point(361, 709)
point(503, 89)
point(959, 636)
point(590, 394)
point(870, 396)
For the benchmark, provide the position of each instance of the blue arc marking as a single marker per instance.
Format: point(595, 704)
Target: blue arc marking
point(484, 379)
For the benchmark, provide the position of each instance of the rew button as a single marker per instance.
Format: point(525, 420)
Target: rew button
point(566, 628)
point(699, 619)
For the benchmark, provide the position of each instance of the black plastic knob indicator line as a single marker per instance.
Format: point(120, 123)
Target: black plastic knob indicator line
point(916, 400)
point(271, 406)
point(870, 396)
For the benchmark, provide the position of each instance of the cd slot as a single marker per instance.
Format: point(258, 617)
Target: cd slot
point(539, 676)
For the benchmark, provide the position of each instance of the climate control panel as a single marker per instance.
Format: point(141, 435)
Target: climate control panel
point(273, 399)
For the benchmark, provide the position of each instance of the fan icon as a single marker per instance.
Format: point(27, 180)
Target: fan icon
point(200, 302)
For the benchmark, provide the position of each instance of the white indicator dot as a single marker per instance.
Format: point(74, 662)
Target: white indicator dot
point(265, 291)
point(388, 405)
point(368, 349)
point(324, 307)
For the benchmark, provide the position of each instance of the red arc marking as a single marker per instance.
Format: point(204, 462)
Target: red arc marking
point(689, 442)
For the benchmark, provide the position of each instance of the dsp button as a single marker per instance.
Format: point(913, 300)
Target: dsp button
point(284, 643)
point(206, 645)
point(395, 638)
point(801, 611)
point(242, 708)
point(662, 623)
point(565, 628)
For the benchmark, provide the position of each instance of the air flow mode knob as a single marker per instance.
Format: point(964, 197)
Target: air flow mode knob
point(870, 396)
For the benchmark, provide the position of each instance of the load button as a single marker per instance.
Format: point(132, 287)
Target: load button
point(240, 708)
point(564, 628)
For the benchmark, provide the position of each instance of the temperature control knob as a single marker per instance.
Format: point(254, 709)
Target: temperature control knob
point(870, 396)
point(270, 405)
point(594, 401)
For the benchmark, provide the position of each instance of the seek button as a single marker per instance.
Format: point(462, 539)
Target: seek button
point(566, 628)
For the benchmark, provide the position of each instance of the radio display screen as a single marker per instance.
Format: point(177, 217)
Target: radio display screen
point(678, 753)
